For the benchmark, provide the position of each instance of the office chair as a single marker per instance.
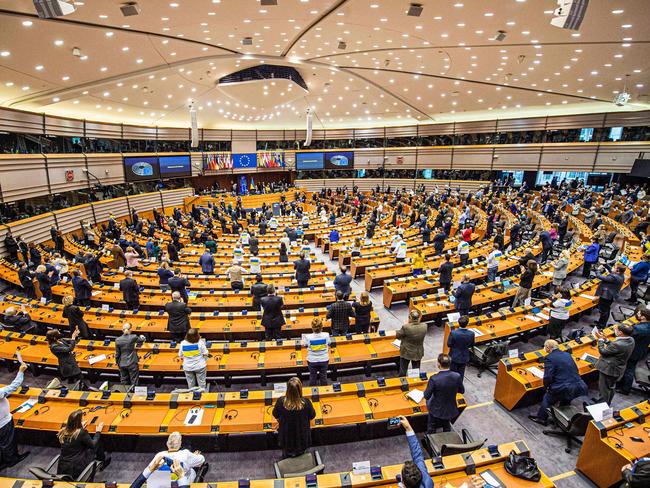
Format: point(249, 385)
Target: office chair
point(449, 443)
point(49, 473)
point(642, 375)
point(486, 356)
point(308, 463)
point(571, 422)
point(120, 388)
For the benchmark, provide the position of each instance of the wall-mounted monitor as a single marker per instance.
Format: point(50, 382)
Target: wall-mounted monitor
point(339, 160)
point(141, 168)
point(310, 160)
point(175, 166)
point(427, 174)
point(586, 134)
point(615, 133)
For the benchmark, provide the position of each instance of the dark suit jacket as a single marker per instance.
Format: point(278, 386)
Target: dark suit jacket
point(179, 317)
point(459, 343)
point(342, 283)
point(272, 316)
point(176, 283)
point(609, 286)
point(130, 290)
point(63, 350)
point(19, 322)
point(125, 353)
point(561, 375)
point(463, 295)
point(259, 291)
point(82, 288)
point(446, 270)
point(614, 356)
point(302, 267)
point(441, 394)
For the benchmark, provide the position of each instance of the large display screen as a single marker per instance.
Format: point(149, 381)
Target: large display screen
point(246, 160)
point(175, 166)
point(586, 134)
point(615, 133)
point(141, 168)
point(311, 160)
point(339, 160)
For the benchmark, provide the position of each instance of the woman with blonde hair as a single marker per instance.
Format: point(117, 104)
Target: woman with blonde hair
point(356, 248)
point(294, 414)
point(132, 258)
point(560, 268)
point(78, 448)
point(317, 345)
point(362, 310)
point(75, 317)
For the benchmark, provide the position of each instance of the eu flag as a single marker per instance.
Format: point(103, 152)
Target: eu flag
point(246, 160)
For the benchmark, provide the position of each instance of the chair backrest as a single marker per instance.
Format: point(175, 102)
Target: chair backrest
point(495, 352)
point(578, 423)
point(451, 449)
point(88, 474)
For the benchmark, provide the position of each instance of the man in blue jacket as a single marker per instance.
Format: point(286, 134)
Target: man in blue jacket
point(414, 473)
point(463, 296)
point(639, 274)
point(441, 394)
point(82, 289)
point(207, 262)
point(342, 283)
point(459, 342)
point(547, 245)
point(591, 257)
point(562, 382)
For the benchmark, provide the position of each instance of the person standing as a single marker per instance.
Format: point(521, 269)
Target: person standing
point(206, 261)
point(590, 257)
point(608, 289)
point(26, 278)
point(560, 268)
point(525, 283)
point(493, 260)
point(11, 245)
point(641, 336)
point(9, 455)
point(411, 349)
point(362, 313)
point(441, 392)
point(179, 283)
point(126, 357)
point(130, 291)
point(272, 316)
point(294, 414)
point(339, 313)
point(235, 274)
point(463, 296)
point(460, 341)
point(45, 281)
point(75, 317)
point(259, 290)
point(63, 349)
point(639, 274)
point(178, 322)
point(446, 269)
point(562, 381)
point(463, 252)
point(613, 359)
point(317, 344)
point(82, 289)
point(302, 267)
point(194, 354)
point(342, 282)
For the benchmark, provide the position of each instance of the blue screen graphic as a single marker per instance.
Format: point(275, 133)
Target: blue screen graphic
point(339, 160)
point(309, 160)
point(175, 166)
point(141, 168)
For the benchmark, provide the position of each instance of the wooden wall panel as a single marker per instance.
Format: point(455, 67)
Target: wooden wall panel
point(533, 123)
point(618, 158)
point(215, 134)
point(628, 119)
point(573, 121)
point(58, 164)
point(34, 229)
point(478, 127)
point(474, 158)
point(69, 219)
point(174, 134)
point(139, 132)
point(270, 135)
point(22, 122)
point(436, 129)
point(406, 131)
point(174, 198)
point(145, 202)
point(196, 159)
point(108, 168)
point(435, 158)
point(401, 158)
point(60, 126)
point(115, 206)
point(516, 157)
point(102, 130)
point(22, 177)
point(339, 134)
point(568, 158)
point(370, 133)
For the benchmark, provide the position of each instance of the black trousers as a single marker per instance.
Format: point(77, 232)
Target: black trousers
point(458, 368)
point(463, 259)
point(133, 304)
point(586, 269)
point(303, 283)
point(8, 444)
point(82, 302)
point(555, 327)
point(404, 365)
point(604, 306)
point(435, 423)
point(272, 333)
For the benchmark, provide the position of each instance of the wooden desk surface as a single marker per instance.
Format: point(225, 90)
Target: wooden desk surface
point(608, 445)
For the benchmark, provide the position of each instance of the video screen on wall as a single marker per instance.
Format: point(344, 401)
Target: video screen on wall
point(586, 134)
point(175, 166)
point(339, 160)
point(141, 168)
point(311, 160)
point(615, 133)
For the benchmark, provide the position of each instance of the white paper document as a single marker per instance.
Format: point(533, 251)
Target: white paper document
point(397, 343)
point(194, 416)
point(413, 373)
point(536, 371)
point(453, 317)
point(96, 359)
point(533, 317)
point(477, 333)
point(599, 411)
point(361, 467)
point(415, 395)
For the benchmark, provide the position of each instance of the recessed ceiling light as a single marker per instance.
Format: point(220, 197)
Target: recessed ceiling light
point(56, 99)
point(110, 34)
point(65, 78)
point(626, 26)
point(58, 42)
point(173, 5)
point(27, 23)
point(618, 12)
point(4, 54)
point(39, 67)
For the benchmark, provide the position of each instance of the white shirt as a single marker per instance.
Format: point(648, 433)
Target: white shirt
point(400, 251)
point(186, 458)
point(317, 346)
point(5, 391)
point(193, 355)
point(560, 309)
point(463, 248)
point(493, 259)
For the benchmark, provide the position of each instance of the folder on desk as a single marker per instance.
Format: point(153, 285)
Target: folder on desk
point(492, 479)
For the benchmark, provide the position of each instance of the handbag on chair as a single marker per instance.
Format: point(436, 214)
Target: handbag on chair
point(522, 466)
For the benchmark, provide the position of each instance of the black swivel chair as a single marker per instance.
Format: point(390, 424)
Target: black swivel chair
point(449, 443)
point(49, 473)
point(488, 355)
point(300, 466)
point(572, 424)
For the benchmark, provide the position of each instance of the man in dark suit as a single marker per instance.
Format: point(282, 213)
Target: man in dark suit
point(126, 357)
point(82, 289)
point(11, 245)
point(26, 278)
point(130, 291)
point(342, 283)
point(547, 245)
point(608, 288)
point(641, 336)
point(302, 267)
point(613, 359)
point(463, 296)
point(18, 321)
point(259, 290)
point(178, 322)
point(272, 316)
point(439, 242)
point(459, 342)
point(340, 312)
point(446, 269)
point(562, 382)
point(179, 283)
point(441, 396)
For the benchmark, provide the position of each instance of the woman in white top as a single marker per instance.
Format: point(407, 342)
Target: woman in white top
point(194, 355)
point(560, 313)
point(317, 344)
point(60, 264)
